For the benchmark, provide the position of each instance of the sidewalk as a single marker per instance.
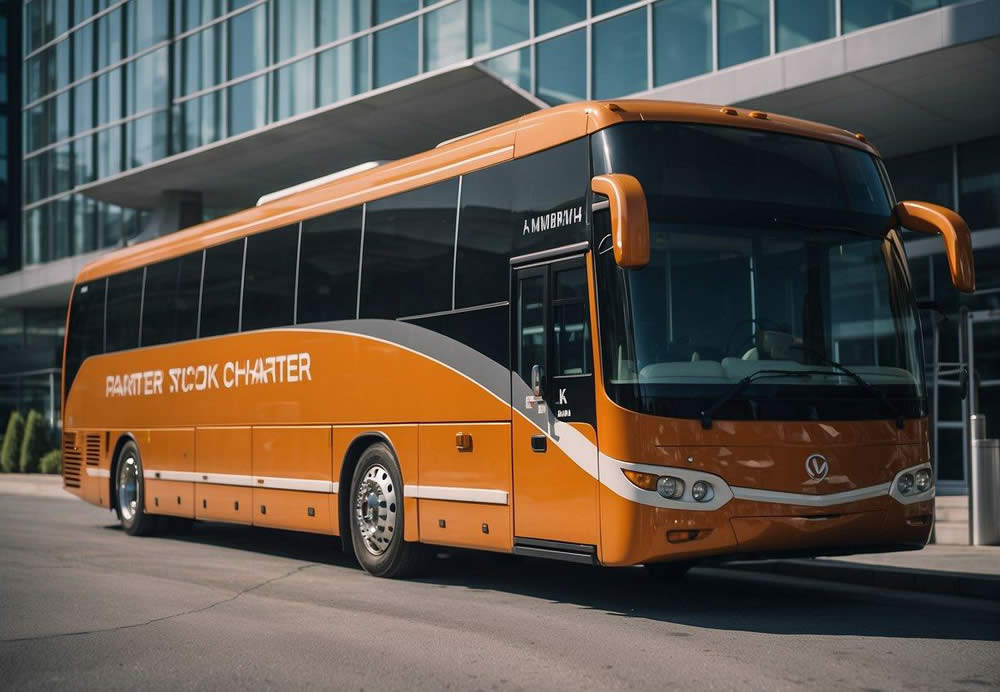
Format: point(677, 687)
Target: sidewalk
point(954, 570)
point(34, 484)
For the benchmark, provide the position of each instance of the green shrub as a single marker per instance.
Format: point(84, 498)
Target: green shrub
point(10, 452)
point(35, 443)
point(51, 462)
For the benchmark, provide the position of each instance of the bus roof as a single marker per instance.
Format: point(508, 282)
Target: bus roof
point(525, 135)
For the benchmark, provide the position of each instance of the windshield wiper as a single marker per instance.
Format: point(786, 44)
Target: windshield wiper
point(862, 382)
point(706, 414)
point(820, 227)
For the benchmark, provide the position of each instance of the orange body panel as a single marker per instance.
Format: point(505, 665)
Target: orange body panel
point(289, 509)
point(465, 525)
point(230, 503)
point(174, 498)
point(167, 449)
point(298, 451)
point(223, 450)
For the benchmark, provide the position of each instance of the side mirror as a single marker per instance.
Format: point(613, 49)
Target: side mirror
point(934, 219)
point(629, 218)
point(537, 373)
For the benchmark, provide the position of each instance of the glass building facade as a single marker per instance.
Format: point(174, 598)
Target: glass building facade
point(113, 86)
point(106, 87)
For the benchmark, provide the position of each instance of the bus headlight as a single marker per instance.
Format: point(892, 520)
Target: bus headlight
point(702, 491)
point(670, 487)
point(905, 484)
point(922, 480)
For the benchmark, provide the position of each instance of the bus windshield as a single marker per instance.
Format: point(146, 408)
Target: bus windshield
point(768, 252)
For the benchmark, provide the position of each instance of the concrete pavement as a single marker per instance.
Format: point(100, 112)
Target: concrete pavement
point(83, 606)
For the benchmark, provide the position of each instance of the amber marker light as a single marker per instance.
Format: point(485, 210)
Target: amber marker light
point(646, 481)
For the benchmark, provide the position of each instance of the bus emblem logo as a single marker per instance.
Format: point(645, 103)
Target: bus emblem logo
point(817, 467)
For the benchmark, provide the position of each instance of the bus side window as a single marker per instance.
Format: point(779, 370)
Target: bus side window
point(328, 267)
point(124, 309)
point(86, 327)
point(170, 300)
point(220, 293)
point(485, 234)
point(409, 248)
point(269, 279)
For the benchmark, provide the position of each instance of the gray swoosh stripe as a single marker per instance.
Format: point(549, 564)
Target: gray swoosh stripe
point(482, 370)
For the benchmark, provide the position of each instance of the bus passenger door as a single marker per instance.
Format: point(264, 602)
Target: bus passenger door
point(554, 435)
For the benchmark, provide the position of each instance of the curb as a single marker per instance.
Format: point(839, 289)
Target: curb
point(982, 586)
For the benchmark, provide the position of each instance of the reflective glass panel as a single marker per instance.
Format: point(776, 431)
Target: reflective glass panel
point(247, 107)
point(269, 279)
point(202, 120)
point(343, 71)
point(497, 23)
point(979, 182)
point(147, 82)
point(859, 14)
point(339, 18)
point(744, 31)
point(514, 67)
point(147, 23)
point(619, 54)
point(925, 176)
point(561, 77)
point(294, 88)
point(396, 53)
point(554, 14)
point(109, 38)
point(248, 42)
point(294, 28)
point(109, 96)
point(602, 6)
point(328, 267)
point(147, 139)
point(123, 311)
point(386, 10)
point(220, 293)
point(444, 36)
point(800, 22)
point(170, 300)
point(83, 51)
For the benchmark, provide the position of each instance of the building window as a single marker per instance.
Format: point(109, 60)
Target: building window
point(555, 14)
point(619, 55)
point(800, 22)
point(387, 10)
point(343, 71)
point(247, 105)
point(248, 42)
point(396, 53)
point(498, 23)
point(682, 39)
point(979, 182)
point(294, 28)
point(514, 67)
point(744, 31)
point(444, 36)
point(340, 18)
point(859, 14)
point(925, 176)
point(560, 78)
point(294, 88)
point(602, 6)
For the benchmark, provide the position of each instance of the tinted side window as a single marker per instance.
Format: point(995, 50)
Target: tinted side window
point(220, 297)
point(549, 192)
point(86, 328)
point(484, 330)
point(485, 233)
point(269, 283)
point(170, 301)
point(124, 305)
point(328, 267)
point(408, 252)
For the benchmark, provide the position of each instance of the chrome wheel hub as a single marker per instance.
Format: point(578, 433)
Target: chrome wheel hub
point(375, 509)
point(128, 488)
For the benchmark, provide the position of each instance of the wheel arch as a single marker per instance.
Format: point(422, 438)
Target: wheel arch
point(350, 462)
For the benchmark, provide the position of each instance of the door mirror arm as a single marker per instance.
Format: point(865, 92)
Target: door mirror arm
point(629, 218)
point(937, 220)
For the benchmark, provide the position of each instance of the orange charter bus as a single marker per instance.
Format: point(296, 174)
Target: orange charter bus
point(616, 333)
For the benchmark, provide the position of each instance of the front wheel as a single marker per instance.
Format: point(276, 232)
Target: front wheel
point(129, 493)
point(376, 512)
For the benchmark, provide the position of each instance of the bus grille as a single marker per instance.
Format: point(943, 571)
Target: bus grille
point(93, 449)
point(71, 461)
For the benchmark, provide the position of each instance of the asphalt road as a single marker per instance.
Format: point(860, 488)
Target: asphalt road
point(82, 605)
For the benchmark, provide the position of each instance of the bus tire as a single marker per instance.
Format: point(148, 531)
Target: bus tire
point(129, 493)
point(376, 513)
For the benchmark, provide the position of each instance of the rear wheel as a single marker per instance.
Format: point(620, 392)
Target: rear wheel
point(129, 493)
point(377, 520)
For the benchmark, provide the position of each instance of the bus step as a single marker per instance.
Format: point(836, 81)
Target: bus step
point(556, 550)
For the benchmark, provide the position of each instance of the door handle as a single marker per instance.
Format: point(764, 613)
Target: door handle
point(539, 443)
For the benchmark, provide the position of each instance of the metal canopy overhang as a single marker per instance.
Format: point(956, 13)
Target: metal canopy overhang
point(910, 85)
point(388, 123)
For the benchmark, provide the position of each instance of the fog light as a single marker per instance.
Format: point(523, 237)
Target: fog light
point(922, 480)
point(702, 491)
point(670, 487)
point(646, 481)
point(905, 483)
